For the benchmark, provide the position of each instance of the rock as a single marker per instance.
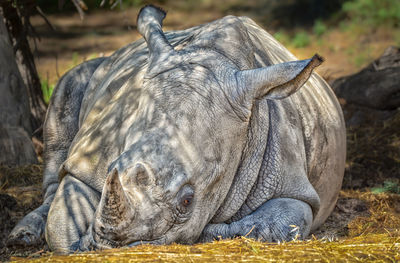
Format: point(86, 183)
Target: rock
point(377, 86)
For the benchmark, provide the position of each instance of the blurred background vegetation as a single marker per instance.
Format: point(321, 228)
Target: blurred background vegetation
point(349, 33)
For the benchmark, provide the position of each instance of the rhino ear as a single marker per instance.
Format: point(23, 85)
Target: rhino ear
point(277, 81)
point(149, 24)
point(114, 205)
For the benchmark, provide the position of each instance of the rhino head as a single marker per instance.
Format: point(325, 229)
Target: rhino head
point(185, 145)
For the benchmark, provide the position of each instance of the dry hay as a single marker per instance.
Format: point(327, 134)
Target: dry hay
point(374, 236)
point(20, 176)
point(379, 247)
point(384, 214)
point(20, 193)
point(22, 186)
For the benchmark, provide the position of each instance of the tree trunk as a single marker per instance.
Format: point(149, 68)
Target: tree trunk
point(16, 146)
point(17, 22)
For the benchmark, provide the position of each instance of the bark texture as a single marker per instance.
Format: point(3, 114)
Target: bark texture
point(15, 126)
point(16, 17)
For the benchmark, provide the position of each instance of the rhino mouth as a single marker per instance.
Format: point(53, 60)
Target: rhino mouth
point(159, 241)
point(103, 242)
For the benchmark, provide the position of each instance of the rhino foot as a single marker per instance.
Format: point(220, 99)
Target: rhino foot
point(28, 232)
point(280, 219)
point(24, 237)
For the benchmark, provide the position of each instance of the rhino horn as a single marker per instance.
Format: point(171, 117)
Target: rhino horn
point(149, 23)
point(277, 81)
point(114, 206)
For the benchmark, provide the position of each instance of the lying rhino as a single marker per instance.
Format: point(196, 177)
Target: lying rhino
point(188, 136)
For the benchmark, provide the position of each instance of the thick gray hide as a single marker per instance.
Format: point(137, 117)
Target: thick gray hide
point(156, 136)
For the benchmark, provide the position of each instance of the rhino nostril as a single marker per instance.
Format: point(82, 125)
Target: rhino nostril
point(102, 229)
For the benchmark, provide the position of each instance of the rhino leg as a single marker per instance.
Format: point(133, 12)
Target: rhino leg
point(70, 215)
point(279, 219)
point(60, 128)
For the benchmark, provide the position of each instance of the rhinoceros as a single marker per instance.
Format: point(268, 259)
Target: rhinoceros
point(216, 131)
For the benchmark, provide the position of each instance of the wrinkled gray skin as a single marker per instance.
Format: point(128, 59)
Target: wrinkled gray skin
point(188, 136)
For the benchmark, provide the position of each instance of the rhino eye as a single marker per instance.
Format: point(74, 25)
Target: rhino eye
point(187, 200)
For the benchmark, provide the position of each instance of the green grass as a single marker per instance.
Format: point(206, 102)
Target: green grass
point(282, 37)
point(75, 61)
point(389, 186)
point(301, 39)
point(360, 60)
point(47, 90)
point(92, 56)
point(319, 28)
point(373, 13)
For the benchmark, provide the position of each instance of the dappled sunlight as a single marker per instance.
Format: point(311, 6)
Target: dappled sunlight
point(156, 131)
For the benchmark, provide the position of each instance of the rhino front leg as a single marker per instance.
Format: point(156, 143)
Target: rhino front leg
point(277, 220)
point(59, 131)
point(29, 230)
point(71, 213)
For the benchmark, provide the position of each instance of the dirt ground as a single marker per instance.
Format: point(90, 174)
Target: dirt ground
point(356, 213)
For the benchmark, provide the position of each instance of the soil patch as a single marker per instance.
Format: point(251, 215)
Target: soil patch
point(20, 193)
point(373, 148)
